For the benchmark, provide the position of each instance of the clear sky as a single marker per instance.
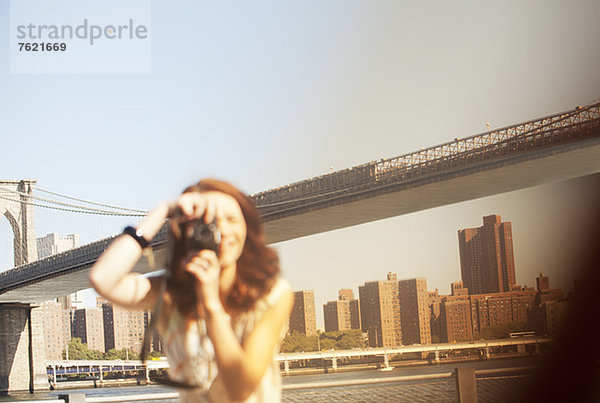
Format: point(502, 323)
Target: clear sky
point(266, 93)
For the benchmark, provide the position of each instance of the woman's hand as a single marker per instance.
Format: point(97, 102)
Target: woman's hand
point(195, 205)
point(205, 266)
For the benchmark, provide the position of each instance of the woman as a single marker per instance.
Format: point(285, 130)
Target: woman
point(224, 312)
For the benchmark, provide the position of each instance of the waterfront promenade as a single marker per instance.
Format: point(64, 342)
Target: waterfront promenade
point(496, 381)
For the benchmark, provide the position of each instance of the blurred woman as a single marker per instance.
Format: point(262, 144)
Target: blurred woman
point(224, 311)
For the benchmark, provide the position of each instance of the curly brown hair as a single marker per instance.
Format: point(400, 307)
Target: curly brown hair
point(257, 266)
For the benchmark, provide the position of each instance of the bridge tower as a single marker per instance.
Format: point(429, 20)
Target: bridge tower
point(22, 352)
point(19, 214)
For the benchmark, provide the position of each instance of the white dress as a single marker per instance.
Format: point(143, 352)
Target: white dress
point(192, 358)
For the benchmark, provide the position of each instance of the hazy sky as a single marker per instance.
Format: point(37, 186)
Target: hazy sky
point(267, 93)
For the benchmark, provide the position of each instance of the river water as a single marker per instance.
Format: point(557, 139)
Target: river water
point(297, 380)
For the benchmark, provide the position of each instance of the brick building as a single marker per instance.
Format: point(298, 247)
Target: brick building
point(434, 301)
point(396, 312)
point(548, 317)
point(542, 282)
point(88, 325)
point(500, 308)
point(455, 323)
point(414, 311)
point(123, 328)
point(57, 328)
point(550, 309)
point(380, 312)
point(343, 314)
point(303, 317)
point(463, 316)
point(486, 256)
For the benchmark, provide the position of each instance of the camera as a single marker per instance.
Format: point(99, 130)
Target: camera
point(200, 236)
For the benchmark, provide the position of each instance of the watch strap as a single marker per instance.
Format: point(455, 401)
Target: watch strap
point(138, 235)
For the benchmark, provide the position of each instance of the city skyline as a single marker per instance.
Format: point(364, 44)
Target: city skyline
point(389, 311)
point(527, 279)
point(557, 211)
point(403, 312)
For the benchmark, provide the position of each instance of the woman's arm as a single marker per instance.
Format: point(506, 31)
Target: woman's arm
point(111, 275)
point(241, 367)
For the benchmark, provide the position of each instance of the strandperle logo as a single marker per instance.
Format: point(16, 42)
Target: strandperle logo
point(90, 32)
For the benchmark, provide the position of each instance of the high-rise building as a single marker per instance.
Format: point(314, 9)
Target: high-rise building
point(123, 328)
point(303, 317)
point(464, 316)
point(486, 256)
point(88, 325)
point(345, 294)
point(414, 311)
point(544, 292)
point(54, 243)
point(57, 328)
point(380, 312)
point(455, 319)
point(73, 301)
point(542, 282)
point(343, 314)
point(457, 289)
point(548, 317)
point(500, 308)
point(435, 305)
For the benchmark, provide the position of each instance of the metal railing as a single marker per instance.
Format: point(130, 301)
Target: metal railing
point(498, 385)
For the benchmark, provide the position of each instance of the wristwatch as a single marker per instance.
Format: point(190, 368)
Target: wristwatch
point(138, 235)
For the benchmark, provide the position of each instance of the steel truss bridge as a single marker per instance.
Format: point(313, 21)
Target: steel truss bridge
point(555, 147)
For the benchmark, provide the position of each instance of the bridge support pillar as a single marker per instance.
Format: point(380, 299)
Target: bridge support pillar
point(22, 350)
point(334, 364)
point(286, 367)
point(437, 356)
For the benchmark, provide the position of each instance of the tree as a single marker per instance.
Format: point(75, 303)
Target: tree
point(335, 340)
point(123, 354)
point(112, 355)
point(295, 342)
point(80, 351)
point(501, 331)
point(341, 339)
point(77, 349)
point(154, 354)
point(94, 355)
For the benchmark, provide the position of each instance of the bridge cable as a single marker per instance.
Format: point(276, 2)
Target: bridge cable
point(97, 211)
point(90, 202)
point(74, 206)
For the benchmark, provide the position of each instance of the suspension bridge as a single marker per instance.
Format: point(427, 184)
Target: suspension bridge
point(556, 147)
